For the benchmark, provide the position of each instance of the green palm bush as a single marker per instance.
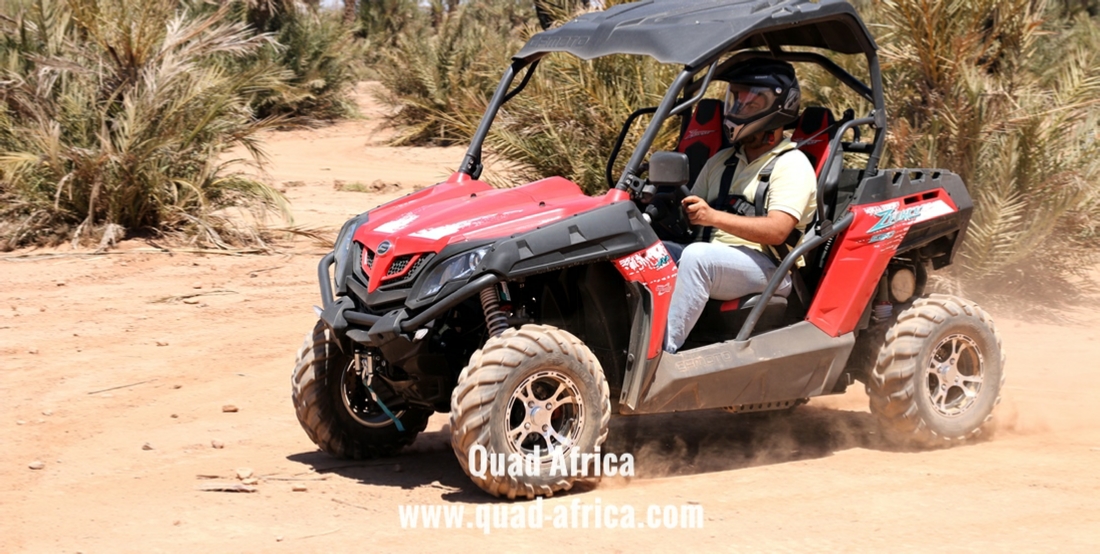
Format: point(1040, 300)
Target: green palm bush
point(1006, 94)
point(316, 51)
point(115, 113)
point(323, 58)
point(382, 21)
point(434, 78)
point(565, 123)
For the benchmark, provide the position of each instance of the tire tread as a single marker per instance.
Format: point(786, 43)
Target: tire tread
point(316, 409)
point(893, 383)
point(489, 367)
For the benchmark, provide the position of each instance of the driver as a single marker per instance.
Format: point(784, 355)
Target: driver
point(738, 256)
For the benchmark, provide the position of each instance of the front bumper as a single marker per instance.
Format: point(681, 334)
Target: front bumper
point(340, 313)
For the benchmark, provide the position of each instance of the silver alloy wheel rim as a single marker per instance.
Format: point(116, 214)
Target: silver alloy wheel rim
point(954, 375)
point(545, 411)
point(358, 403)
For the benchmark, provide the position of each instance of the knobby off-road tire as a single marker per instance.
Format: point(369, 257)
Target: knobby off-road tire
point(326, 398)
point(939, 374)
point(501, 402)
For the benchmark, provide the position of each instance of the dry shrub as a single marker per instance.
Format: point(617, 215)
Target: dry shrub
point(115, 113)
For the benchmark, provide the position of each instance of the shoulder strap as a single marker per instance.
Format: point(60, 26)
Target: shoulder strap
point(759, 201)
point(726, 183)
point(764, 178)
point(760, 204)
point(722, 201)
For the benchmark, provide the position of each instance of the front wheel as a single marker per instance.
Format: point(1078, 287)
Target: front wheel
point(535, 394)
point(939, 373)
point(338, 412)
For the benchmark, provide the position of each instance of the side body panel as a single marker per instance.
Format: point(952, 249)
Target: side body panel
point(654, 269)
point(799, 361)
point(916, 208)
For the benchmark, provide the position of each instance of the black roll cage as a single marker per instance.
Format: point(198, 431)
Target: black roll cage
point(675, 103)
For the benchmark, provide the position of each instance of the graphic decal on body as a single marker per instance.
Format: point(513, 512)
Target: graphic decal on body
point(655, 269)
point(396, 225)
point(689, 361)
point(477, 224)
point(933, 210)
point(655, 257)
point(890, 216)
point(881, 237)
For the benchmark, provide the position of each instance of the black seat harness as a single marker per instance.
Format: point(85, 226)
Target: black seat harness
point(757, 208)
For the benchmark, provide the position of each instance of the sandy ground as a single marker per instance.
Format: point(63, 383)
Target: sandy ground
point(117, 385)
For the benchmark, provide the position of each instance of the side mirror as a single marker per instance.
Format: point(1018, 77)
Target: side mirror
point(669, 169)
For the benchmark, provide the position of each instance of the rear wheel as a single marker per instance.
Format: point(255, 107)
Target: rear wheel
point(939, 373)
point(532, 390)
point(336, 409)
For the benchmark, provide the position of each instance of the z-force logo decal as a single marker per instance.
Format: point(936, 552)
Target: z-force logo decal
point(890, 216)
point(892, 222)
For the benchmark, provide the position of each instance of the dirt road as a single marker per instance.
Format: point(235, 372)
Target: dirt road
point(117, 370)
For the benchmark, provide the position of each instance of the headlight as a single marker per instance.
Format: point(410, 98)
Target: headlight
point(342, 247)
point(457, 268)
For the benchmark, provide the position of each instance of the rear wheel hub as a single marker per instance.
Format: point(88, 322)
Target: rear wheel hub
point(955, 374)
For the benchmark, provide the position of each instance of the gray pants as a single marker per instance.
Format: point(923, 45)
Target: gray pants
point(719, 271)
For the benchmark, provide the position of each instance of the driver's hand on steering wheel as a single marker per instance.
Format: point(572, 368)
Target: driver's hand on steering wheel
point(698, 211)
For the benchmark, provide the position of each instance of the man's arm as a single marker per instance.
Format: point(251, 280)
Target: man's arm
point(772, 229)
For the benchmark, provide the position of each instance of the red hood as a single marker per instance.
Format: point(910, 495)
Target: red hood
point(462, 209)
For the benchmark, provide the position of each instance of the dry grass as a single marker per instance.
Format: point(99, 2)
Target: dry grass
point(115, 113)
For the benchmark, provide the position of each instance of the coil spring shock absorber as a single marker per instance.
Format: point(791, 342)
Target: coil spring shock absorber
point(495, 319)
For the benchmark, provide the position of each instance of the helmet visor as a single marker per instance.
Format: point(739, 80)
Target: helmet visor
point(745, 103)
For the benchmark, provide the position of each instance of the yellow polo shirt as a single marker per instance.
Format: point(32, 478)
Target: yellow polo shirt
point(792, 189)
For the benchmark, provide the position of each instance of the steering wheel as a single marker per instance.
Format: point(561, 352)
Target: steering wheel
point(669, 216)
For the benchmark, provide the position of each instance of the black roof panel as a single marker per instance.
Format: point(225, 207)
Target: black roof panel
point(690, 32)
